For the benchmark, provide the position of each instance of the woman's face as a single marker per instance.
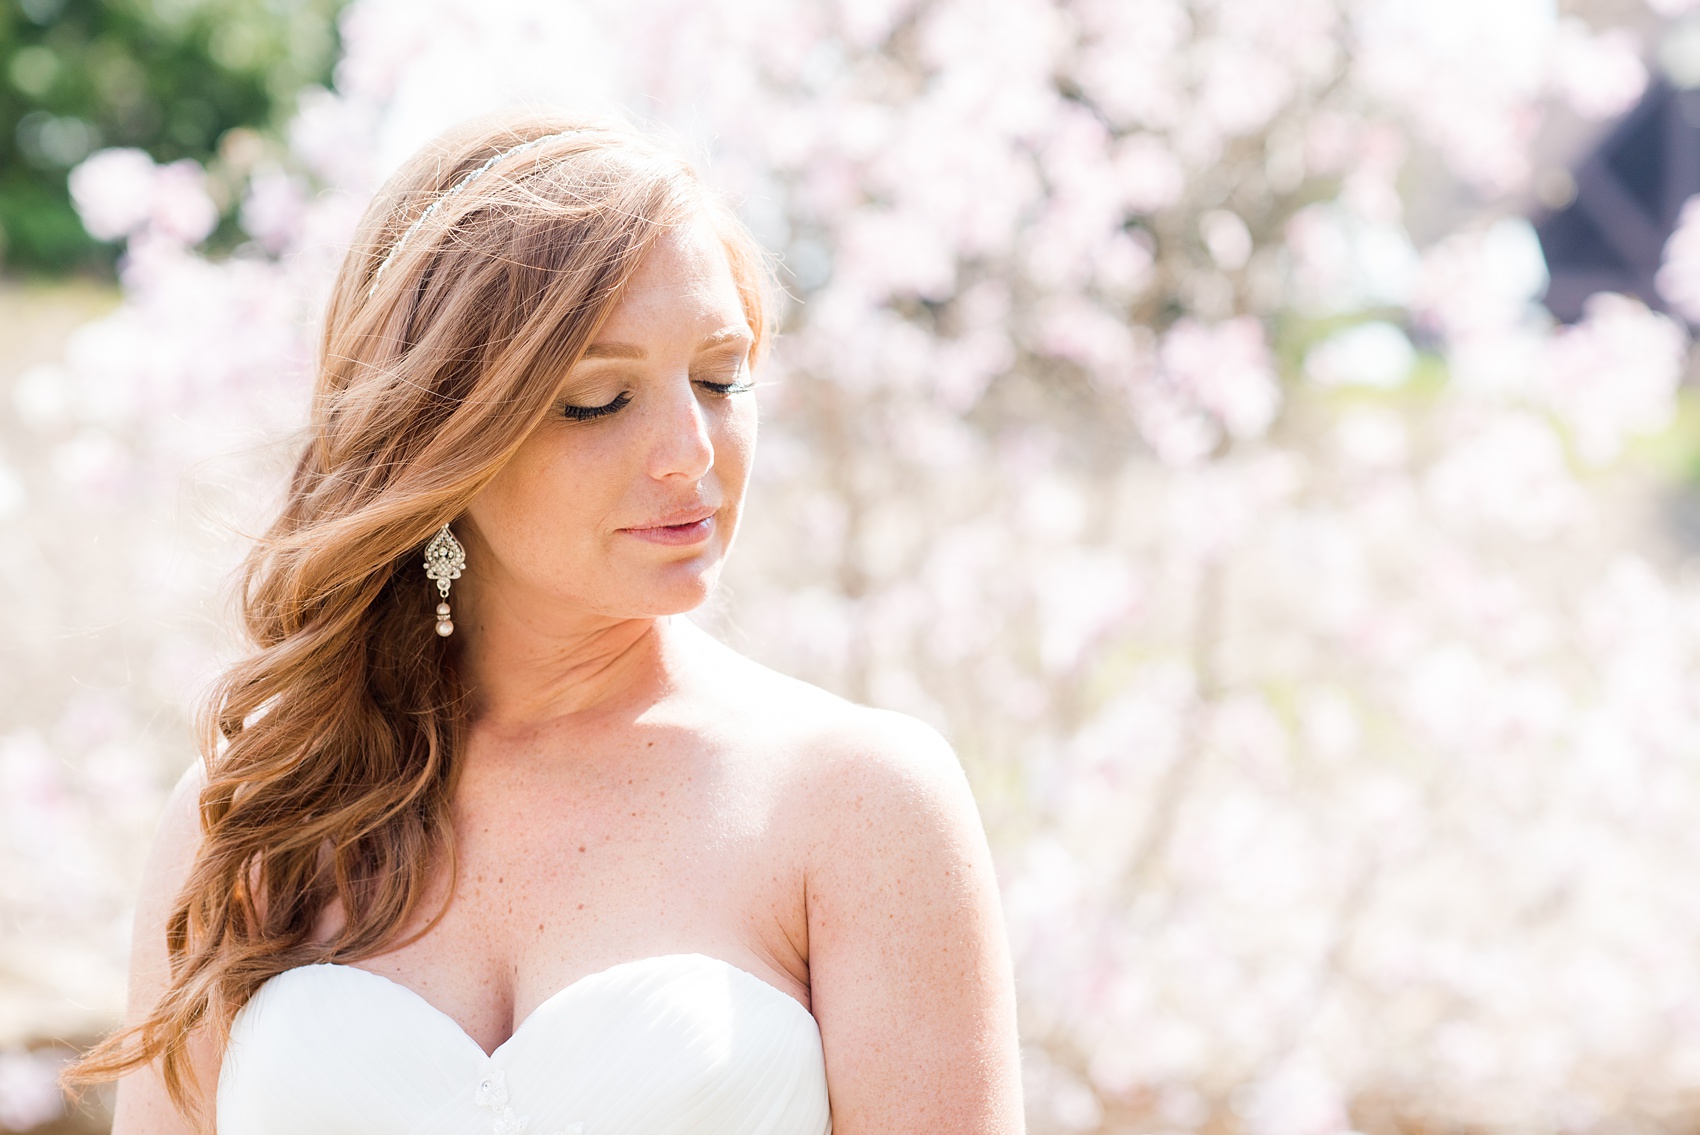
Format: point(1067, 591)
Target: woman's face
point(624, 501)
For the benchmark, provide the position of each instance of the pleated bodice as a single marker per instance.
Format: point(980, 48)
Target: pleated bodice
point(658, 1046)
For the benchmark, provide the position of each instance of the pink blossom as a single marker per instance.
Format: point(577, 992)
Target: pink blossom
point(1509, 471)
point(1297, 1098)
point(1227, 238)
point(1129, 58)
point(1478, 280)
point(1615, 374)
point(1086, 333)
point(1227, 370)
point(1601, 75)
point(1341, 262)
point(1244, 87)
point(118, 192)
point(274, 209)
point(1149, 174)
point(113, 192)
point(1467, 77)
point(181, 208)
point(1678, 279)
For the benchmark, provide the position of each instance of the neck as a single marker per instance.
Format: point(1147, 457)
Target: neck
point(526, 665)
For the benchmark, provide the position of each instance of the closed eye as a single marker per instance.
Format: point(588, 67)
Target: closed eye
point(586, 413)
point(722, 389)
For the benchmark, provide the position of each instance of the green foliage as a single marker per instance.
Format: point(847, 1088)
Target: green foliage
point(177, 78)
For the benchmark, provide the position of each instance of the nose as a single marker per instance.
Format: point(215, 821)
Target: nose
point(680, 448)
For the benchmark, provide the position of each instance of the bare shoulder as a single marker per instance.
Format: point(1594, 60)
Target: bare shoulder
point(177, 838)
point(836, 757)
point(871, 799)
point(867, 769)
point(909, 971)
point(888, 808)
point(175, 844)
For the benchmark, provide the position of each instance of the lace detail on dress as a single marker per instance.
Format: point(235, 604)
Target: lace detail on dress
point(492, 1093)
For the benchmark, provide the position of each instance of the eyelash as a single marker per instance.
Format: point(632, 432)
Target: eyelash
point(725, 388)
point(586, 413)
point(589, 413)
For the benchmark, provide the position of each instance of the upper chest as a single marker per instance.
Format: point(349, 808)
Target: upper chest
point(570, 860)
point(560, 813)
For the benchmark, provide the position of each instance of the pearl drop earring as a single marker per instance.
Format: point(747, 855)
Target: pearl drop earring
point(444, 560)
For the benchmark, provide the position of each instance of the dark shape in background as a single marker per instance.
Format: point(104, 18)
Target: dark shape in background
point(1628, 195)
point(172, 77)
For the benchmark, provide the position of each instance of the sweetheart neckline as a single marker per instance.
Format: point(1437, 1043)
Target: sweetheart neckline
point(418, 998)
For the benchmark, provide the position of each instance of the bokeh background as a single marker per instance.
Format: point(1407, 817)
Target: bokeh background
point(1261, 435)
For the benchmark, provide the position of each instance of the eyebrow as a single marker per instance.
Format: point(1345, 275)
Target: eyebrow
point(612, 351)
point(724, 337)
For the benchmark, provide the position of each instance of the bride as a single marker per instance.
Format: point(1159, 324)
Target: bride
point(487, 838)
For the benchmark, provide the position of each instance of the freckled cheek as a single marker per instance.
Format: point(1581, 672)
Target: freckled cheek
point(734, 450)
point(577, 491)
point(545, 502)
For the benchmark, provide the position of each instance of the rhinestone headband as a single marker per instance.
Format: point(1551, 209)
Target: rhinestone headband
point(466, 180)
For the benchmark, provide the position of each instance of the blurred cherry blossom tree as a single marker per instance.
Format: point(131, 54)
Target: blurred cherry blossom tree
point(1165, 412)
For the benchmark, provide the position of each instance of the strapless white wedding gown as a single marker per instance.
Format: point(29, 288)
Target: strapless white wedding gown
point(669, 1045)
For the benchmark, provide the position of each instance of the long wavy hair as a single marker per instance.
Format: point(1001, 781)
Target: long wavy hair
point(330, 750)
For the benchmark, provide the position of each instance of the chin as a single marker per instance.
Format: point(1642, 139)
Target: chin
point(674, 593)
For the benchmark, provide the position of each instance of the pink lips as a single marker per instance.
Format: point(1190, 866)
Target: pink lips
point(680, 529)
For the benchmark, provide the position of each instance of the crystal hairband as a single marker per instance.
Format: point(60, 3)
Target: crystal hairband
point(466, 180)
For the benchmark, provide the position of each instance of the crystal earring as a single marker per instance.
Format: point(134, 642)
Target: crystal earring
point(444, 560)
